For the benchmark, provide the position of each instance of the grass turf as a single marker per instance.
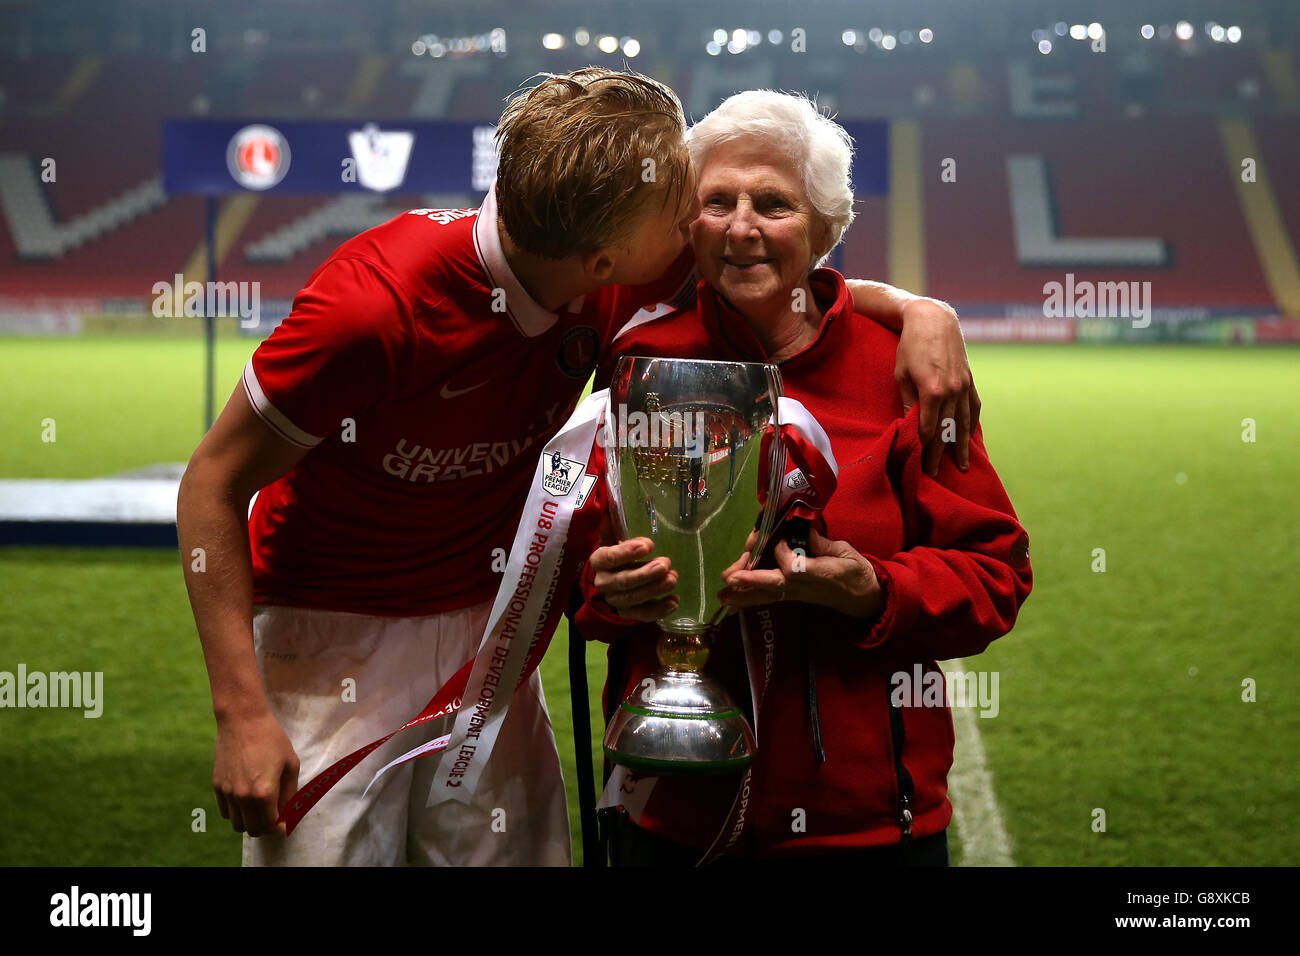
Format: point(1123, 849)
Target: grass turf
point(1119, 691)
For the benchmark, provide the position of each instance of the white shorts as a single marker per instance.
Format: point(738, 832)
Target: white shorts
point(519, 816)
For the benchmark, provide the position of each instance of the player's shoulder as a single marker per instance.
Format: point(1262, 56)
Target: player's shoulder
point(416, 251)
point(664, 331)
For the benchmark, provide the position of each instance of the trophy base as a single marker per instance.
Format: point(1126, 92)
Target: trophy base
point(680, 723)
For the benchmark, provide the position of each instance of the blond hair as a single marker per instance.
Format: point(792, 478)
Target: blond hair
point(583, 155)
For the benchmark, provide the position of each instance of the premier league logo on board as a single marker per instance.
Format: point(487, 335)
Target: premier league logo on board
point(258, 157)
point(381, 157)
point(559, 479)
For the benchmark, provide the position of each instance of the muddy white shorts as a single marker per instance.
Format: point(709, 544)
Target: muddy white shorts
point(337, 681)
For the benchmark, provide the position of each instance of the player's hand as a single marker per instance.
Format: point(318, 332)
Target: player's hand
point(834, 575)
point(638, 592)
point(932, 367)
point(255, 772)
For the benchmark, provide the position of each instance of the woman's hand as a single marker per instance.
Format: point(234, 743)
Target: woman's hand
point(638, 592)
point(835, 576)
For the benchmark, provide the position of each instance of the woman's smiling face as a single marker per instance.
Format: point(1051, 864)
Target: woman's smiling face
point(757, 231)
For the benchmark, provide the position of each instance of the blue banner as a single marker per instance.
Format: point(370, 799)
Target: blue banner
point(216, 157)
point(870, 157)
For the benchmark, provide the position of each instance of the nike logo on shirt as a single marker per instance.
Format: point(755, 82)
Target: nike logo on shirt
point(448, 392)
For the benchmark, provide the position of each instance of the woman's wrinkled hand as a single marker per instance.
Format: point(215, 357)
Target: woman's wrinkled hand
point(638, 592)
point(835, 575)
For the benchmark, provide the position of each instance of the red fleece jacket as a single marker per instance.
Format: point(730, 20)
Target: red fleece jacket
point(949, 552)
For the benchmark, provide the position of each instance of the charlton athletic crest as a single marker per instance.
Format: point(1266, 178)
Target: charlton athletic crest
point(579, 348)
point(258, 157)
point(563, 473)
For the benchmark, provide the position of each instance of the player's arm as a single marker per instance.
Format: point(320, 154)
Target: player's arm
point(255, 768)
point(931, 366)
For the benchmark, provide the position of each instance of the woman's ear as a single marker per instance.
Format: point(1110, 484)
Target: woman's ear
point(821, 240)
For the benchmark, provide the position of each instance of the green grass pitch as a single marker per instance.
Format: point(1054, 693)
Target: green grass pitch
point(1120, 690)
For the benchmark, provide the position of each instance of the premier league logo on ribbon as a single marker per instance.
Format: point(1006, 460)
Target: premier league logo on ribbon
point(381, 157)
point(561, 476)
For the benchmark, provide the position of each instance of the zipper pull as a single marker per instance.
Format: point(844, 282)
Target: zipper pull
point(905, 815)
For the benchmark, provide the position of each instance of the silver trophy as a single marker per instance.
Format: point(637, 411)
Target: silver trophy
point(684, 448)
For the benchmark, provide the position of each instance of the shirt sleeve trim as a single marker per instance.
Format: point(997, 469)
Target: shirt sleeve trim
point(274, 418)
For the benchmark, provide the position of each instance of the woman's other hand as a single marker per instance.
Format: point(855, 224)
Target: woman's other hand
point(835, 575)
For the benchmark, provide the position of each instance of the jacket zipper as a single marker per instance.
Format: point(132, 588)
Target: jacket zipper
point(905, 788)
point(814, 711)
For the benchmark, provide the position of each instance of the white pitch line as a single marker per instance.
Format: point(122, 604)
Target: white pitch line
point(984, 840)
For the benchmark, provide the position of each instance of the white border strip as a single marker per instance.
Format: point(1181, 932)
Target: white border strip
point(273, 417)
point(984, 840)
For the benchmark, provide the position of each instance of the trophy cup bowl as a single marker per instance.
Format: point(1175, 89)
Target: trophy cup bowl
point(684, 453)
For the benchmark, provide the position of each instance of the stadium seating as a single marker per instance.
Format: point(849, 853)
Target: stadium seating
point(1123, 165)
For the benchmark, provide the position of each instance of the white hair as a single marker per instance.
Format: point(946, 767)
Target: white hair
point(819, 147)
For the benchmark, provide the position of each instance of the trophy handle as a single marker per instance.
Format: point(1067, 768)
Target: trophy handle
point(766, 523)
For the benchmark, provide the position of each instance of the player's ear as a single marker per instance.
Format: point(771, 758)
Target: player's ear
point(598, 265)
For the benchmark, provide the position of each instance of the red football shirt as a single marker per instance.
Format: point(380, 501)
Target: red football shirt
point(426, 382)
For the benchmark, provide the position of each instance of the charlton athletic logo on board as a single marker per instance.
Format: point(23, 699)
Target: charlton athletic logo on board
point(258, 157)
point(561, 476)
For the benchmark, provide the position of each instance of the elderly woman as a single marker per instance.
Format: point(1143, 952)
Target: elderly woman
point(914, 569)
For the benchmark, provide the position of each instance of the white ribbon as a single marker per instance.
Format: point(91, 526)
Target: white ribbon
point(522, 603)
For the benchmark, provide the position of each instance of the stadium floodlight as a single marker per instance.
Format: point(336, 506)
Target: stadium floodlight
point(1078, 32)
point(926, 35)
point(753, 37)
point(607, 44)
point(1095, 31)
point(719, 37)
point(713, 48)
point(631, 47)
point(874, 34)
point(1044, 47)
point(733, 48)
point(1148, 31)
point(1183, 30)
point(581, 36)
point(1234, 34)
point(1218, 34)
point(774, 37)
point(888, 41)
point(849, 37)
point(1061, 28)
point(553, 41)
